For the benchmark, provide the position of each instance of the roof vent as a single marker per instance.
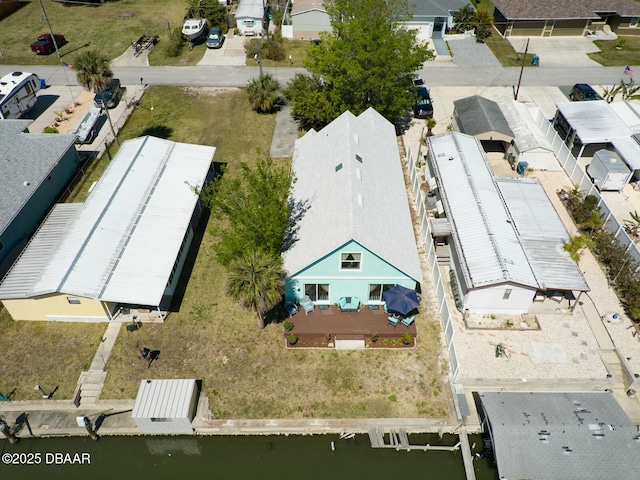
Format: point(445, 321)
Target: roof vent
point(356, 139)
point(26, 184)
point(338, 167)
point(358, 174)
point(360, 200)
point(358, 158)
point(450, 158)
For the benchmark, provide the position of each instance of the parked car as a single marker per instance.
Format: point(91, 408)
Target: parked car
point(215, 39)
point(423, 108)
point(45, 46)
point(582, 92)
point(110, 95)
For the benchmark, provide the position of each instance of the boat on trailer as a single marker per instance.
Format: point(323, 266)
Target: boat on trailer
point(194, 28)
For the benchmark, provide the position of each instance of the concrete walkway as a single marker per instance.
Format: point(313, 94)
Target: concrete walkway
point(285, 134)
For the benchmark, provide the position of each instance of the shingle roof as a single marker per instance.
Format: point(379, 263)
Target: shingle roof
point(564, 9)
point(122, 244)
point(26, 160)
point(478, 115)
point(300, 6)
point(561, 436)
point(436, 8)
point(351, 175)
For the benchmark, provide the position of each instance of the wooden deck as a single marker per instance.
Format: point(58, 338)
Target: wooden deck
point(334, 322)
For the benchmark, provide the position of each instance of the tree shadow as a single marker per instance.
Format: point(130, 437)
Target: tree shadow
point(403, 123)
point(297, 210)
point(160, 131)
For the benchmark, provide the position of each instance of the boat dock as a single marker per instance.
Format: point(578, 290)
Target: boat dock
point(399, 440)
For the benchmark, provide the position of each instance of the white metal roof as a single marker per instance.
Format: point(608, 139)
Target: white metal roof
point(164, 399)
point(542, 234)
point(629, 113)
point(351, 175)
point(527, 134)
point(250, 9)
point(485, 238)
point(594, 121)
point(629, 150)
point(122, 245)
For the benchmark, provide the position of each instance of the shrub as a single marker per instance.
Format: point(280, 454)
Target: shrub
point(407, 338)
point(292, 338)
point(51, 130)
point(176, 43)
point(288, 325)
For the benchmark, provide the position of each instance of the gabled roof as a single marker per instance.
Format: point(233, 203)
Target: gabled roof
point(301, 6)
point(122, 242)
point(527, 133)
point(565, 9)
point(26, 160)
point(505, 230)
point(352, 178)
point(577, 435)
point(436, 8)
point(477, 115)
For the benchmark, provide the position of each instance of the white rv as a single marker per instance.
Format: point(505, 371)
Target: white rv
point(18, 94)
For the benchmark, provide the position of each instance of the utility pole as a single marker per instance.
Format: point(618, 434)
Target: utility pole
point(524, 59)
point(55, 44)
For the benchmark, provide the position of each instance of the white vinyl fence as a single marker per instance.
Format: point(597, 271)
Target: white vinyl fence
point(579, 177)
point(439, 285)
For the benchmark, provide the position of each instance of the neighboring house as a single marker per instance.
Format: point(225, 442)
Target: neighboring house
point(307, 19)
point(598, 124)
point(432, 18)
point(250, 17)
point(355, 237)
point(125, 246)
point(8, 6)
point(565, 17)
point(548, 435)
point(483, 119)
point(506, 238)
point(34, 169)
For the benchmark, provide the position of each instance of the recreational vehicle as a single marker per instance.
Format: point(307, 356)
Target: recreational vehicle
point(18, 94)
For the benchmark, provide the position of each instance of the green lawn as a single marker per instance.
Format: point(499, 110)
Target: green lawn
point(45, 353)
point(610, 56)
point(111, 28)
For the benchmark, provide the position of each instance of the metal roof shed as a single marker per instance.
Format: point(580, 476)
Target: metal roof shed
point(608, 171)
point(166, 407)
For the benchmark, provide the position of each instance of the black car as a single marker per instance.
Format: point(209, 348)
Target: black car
point(423, 108)
point(582, 92)
point(109, 96)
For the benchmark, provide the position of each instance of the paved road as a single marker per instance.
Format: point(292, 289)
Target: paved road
point(238, 76)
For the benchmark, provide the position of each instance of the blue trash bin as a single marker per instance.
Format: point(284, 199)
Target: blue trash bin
point(43, 84)
point(535, 61)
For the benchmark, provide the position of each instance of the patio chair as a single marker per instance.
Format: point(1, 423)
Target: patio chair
point(291, 308)
point(393, 321)
point(307, 304)
point(408, 321)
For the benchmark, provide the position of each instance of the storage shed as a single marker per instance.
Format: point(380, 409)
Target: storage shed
point(608, 171)
point(166, 407)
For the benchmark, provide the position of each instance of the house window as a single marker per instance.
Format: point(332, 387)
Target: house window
point(73, 300)
point(249, 23)
point(634, 22)
point(377, 289)
point(350, 261)
point(317, 292)
point(507, 294)
point(160, 420)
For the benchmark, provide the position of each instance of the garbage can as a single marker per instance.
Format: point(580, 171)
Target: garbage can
point(43, 84)
point(535, 61)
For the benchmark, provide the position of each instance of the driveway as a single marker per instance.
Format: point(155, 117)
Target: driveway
point(559, 51)
point(231, 52)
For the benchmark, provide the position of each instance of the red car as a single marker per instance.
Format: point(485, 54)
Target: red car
point(45, 45)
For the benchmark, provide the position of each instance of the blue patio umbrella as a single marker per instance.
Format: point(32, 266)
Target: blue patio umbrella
point(401, 299)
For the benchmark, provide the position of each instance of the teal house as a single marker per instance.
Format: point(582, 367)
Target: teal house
point(354, 234)
point(34, 170)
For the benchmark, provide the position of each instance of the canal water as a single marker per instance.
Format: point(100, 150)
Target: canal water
point(239, 457)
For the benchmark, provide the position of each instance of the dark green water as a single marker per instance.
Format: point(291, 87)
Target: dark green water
point(212, 457)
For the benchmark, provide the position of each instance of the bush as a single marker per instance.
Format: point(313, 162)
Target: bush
point(51, 130)
point(288, 325)
point(292, 339)
point(176, 43)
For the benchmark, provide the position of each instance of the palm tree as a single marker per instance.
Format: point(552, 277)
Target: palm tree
point(430, 123)
point(263, 92)
point(255, 280)
point(576, 245)
point(93, 68)
point(483, 24)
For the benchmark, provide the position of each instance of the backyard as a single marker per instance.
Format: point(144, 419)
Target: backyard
point(246, 372)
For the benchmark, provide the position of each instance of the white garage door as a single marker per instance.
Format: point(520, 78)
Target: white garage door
point(424, 30)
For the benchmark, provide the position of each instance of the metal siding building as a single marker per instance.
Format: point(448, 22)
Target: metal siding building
point(123, 242)
point(166, 407)
point(560, 436)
